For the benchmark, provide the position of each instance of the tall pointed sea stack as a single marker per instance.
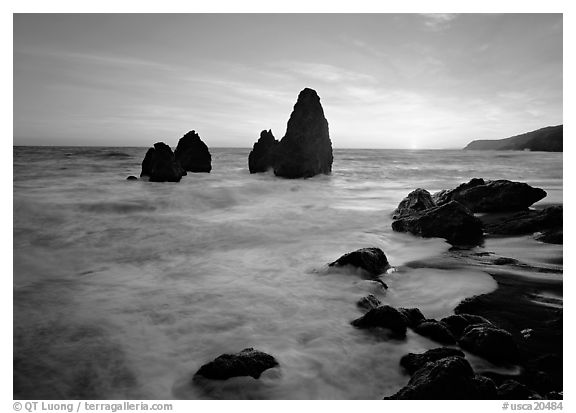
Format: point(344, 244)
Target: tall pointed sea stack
point(306, 149)
point(193, 154)
point(261, 157)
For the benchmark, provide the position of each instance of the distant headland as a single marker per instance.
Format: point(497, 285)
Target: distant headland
point(547, 139)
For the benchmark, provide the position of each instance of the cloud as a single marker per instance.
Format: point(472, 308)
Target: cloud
point(326, 73)
point(438, 21)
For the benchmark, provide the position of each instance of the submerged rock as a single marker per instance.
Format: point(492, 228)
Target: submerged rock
point(372, 260)
point(416, 201)
point(306, 149)
point(261, 156)
point(449, 378)
point(385, 317)
point(451, 221)
point(193, 154)
point(160, 165)
point(492, 196)
point(413, 362)
point(369, 302)
point(435, 330)
point(457, 323)
point(492, 343)
point(248, 362)
point(132, 178)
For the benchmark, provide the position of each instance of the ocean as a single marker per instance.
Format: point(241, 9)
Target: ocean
point(123, 289)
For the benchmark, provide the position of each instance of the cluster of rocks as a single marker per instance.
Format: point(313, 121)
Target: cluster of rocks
point(473, 333)
point(449, 214)
point(304, 151)
point(162, 165)
point(445, 374)
point(441, 373)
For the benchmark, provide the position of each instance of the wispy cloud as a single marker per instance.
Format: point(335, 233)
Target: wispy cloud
point(97, 58)
point(325, 72)
point(438, 21)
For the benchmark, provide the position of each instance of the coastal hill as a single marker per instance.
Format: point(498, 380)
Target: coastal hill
point(547, 139)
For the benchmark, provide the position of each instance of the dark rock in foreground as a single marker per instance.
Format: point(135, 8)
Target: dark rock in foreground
point(385, 317)
point(555, 236)
point(160, 165)
point(548, 221)
point(435, 330)
point(261, 156)
point(449, 378)
point(369, 302)
point(413, 362)
point(416, 201)
point(512, 390)
point(547, 139)
point(413, 315)
point(492, 196)
point(457, 323)
point(248, 362)
point(193, 154)
point(451, 221)
point(132, 178)
point(492, 343)
point(306, 149)
point(372, 260)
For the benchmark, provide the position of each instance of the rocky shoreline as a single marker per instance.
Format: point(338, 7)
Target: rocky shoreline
point(509, 327)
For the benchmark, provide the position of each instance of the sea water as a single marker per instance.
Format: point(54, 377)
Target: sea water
point(123, 289)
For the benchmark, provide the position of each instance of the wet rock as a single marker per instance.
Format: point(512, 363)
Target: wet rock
point(413, 315)
point(132, 178)
point(512, 390)
point(369, 302)
point(456, 323)
point(413, 362)
point(160, 165)
point(525, 222)
point(492, 196)
point(555, 236)
point(449, 378)
point(372, 260)
point(385, 317)
point(446, 195)
point(504, 261)
point(248, 362)
point(193, 154)
point(492, 343)
point(451, 221)
point(306, 149)
point(435, 330)
point(416, 201)
point(261, 156)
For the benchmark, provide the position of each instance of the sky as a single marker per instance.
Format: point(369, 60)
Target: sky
point(407, 81)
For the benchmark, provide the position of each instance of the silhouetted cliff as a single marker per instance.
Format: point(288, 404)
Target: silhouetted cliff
point(547, 139)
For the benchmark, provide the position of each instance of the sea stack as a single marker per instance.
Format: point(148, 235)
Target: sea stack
point(306, 149)
point(193, 154)
point(261, 157)
point(160, 165)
